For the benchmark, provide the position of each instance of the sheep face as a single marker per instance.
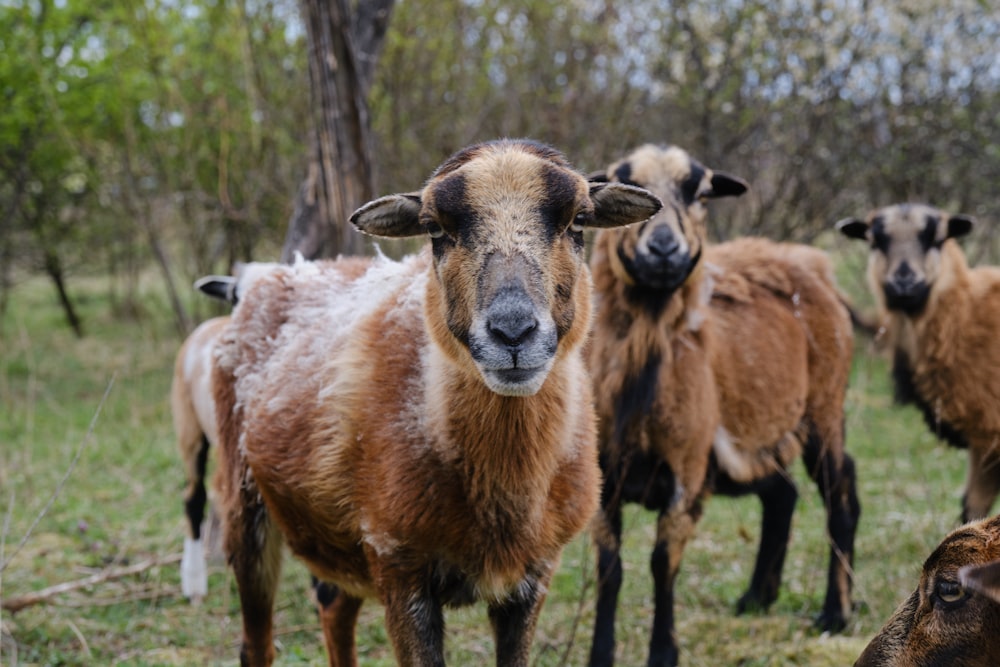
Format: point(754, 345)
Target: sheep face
point(506, 224)
point(661, 253)
point(944, 622)
point(905, 259)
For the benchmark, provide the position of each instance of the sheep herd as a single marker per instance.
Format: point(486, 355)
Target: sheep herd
point(433, 432)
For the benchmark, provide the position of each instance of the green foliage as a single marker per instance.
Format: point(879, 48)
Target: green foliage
point(138, 131)
point(122, 504)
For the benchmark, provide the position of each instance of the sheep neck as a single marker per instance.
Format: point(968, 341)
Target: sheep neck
point(506, 448)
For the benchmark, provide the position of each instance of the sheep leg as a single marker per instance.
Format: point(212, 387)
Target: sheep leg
point(414, 618)
point(194, 568)
point(674, 529)
point(982, 483)
point(338, 613)
point(514, 621)
point(253, 544)
point(837, 485)
point(778, 496)
point(607, 536)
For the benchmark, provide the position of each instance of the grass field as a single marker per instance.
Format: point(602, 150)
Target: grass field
point(120, 505)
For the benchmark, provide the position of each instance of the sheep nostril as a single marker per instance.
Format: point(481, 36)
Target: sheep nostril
point(512, 331)
point(663, 244)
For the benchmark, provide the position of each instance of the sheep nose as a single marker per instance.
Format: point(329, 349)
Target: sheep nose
point(904, 275)
point(512, 328)
point(663, 243)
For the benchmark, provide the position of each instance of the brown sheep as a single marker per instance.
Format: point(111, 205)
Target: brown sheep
point(714, 367)
point(940, 319)
point(421, 432)
point(952, 619)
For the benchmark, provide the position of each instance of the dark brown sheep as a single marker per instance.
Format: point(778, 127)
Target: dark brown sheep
point(714, 368)
point(952, 619)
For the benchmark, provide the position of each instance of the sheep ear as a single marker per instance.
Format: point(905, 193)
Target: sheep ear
point(218, 287)
point(393, 216)
point(724, 185)
point(960, 225)
point(617, 204)
point(853, 228)
point(983, 579)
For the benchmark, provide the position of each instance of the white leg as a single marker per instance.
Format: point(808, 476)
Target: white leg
point(194, 570)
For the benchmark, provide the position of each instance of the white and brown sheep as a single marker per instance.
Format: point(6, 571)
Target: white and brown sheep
point(193, 412)
point(422, 432)
point(941, 319)
point(952, 619)
point(714, 368)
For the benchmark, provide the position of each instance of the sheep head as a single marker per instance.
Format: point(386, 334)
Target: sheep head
point(905, 259)
point(947, 620)
point(662, 252)
point(506, 222)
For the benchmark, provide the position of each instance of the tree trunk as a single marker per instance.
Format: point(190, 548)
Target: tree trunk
point(342, 56)
point(53, 267)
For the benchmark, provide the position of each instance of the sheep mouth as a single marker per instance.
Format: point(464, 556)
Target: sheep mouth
point(909, 300)
point(515, 381)
point(665, 274)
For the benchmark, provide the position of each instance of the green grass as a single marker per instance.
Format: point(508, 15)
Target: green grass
point(122, 504)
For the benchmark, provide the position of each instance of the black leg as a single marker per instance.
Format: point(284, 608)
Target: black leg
point(609, 582)
point(514, 621)
point(837, 484)
point(778, 496)
point(663, 641)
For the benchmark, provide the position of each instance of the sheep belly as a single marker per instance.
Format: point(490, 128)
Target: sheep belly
point(762, 375)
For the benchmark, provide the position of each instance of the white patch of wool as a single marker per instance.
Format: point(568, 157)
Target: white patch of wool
point(730, 459)
point(382, 543)
point(326, 309)
point(696, 315)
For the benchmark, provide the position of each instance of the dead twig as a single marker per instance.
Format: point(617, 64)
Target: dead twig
point(16, 604)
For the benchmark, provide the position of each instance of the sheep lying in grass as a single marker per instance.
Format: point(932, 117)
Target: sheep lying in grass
point(941, 319)
point(713, 380)
point(953, 617)
point(421, 432)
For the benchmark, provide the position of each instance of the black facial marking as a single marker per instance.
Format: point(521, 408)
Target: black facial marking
point(928, 236)
point(689, 186)
point(559, 204)
point(880, 240)
point(453, 211)
point(624, 173)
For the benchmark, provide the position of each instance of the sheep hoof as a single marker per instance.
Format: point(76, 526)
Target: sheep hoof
point(830, 621)
point(752, 603)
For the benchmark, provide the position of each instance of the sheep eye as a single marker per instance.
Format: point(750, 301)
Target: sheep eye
point(580, 220)
point(434, 230)
point(950, 592)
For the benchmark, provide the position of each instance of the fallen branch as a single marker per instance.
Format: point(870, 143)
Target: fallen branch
point(16, 604)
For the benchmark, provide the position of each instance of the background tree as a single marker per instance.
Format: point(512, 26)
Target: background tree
point(343, 49)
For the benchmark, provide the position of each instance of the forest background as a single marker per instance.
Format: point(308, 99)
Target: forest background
point(174, 135)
